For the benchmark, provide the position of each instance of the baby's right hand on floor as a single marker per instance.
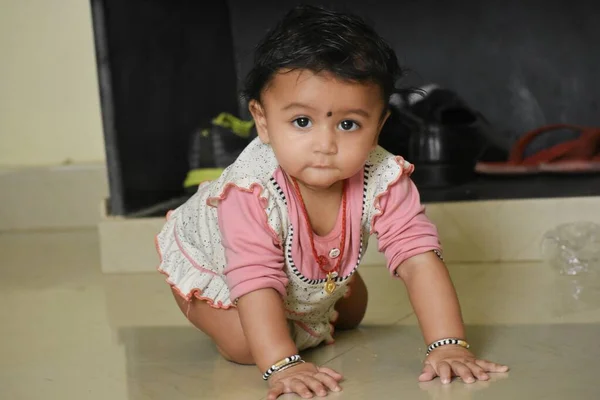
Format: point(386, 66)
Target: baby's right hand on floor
point(306, 380)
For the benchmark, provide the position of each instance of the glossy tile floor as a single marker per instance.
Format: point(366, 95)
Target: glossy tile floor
point(69, 332)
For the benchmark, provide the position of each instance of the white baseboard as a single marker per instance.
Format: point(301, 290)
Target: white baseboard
point(482, 231)
point(52, 197)
point(73, 196)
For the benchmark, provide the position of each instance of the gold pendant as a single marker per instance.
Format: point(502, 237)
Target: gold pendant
point(330, 284)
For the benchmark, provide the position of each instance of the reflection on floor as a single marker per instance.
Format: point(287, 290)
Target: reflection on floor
point(69, 332)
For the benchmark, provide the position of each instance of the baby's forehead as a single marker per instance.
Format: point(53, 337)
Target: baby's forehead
point(323, 90)
point(303, 77)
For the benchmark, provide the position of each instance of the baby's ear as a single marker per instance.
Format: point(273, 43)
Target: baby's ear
point(258, 114)
point(384, 118)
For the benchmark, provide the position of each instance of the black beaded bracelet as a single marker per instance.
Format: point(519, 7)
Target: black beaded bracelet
point(282, 364)
point(444, 342)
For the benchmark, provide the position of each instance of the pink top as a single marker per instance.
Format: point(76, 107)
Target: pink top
point(255, 257)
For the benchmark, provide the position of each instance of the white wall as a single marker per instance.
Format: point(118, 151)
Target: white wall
point(49, 101)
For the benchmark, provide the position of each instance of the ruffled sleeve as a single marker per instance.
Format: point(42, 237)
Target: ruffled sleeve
point(402, 228)
point(254, 257)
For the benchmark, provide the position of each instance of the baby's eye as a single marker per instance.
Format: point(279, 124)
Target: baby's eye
point(348, 125)
point(301, 122)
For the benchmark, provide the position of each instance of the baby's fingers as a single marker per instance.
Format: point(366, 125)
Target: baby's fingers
point(444, 371)
point(293, 386)
point(338, 377)
point(489, 366)
point(328, 381)
point(316, 386)
point(276, 391)
point(427, 374)
point(463, 371)
point(300, 387)
point(478, 371)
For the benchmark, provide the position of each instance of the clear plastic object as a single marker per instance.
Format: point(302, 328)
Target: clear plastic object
point(573, 250)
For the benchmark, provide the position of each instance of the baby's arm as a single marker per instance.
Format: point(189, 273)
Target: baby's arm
point(265, 326)
point(437, 309)
point(256, 278)
point(432, 296)
point(409, 239)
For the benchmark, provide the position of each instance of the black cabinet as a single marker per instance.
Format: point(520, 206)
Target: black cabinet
point(167, 67)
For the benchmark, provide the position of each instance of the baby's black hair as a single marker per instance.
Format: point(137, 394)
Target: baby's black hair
point(317, 39)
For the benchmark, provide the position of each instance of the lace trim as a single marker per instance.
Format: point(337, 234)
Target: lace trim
point(290, 236)
point(193, 293)
point(405, 168)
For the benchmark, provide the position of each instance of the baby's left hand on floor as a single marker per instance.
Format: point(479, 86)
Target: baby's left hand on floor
point(448, 361)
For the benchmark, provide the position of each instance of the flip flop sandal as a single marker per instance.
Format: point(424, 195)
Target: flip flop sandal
point(588, 163)
point(565, 157)
point(574, 167)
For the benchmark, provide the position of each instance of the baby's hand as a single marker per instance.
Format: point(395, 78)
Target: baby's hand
point(448, 361)
point(304, 379)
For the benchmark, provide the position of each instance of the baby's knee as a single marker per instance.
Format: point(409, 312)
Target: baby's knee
point(349, 322)
point(237, 353)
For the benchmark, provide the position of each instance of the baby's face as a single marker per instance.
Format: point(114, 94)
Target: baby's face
point(320, 128)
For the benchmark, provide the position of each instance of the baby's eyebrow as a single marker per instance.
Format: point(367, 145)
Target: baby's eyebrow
point(298, 105)
point(358, 111)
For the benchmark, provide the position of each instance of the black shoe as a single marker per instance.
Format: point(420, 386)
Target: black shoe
point(214, 149)
point(447, 139)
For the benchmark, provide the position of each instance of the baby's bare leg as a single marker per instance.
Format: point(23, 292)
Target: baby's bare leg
point(222, 326)
point(225, 328)
point(352, 308)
